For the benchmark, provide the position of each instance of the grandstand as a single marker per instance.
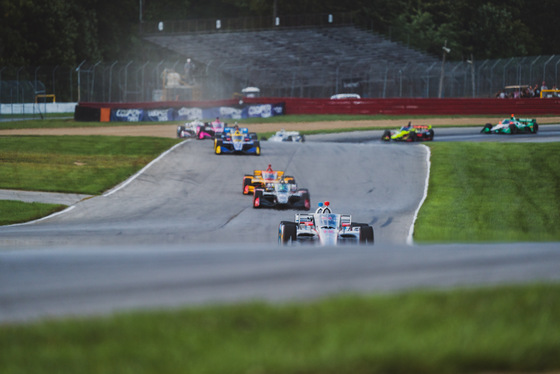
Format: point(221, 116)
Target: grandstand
point(318, 60)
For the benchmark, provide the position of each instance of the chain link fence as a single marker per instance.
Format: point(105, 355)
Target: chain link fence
point(26, 90)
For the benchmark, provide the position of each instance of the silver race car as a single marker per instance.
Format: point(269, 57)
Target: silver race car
point(282, 195)
point(325, 228)
point(287, 136)
point(189, 129)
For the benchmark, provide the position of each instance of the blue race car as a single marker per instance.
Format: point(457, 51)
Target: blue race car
point(237, 141)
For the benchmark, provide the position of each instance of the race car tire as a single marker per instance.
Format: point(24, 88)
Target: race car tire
point(386, 136)
point(306, 197)
point(246, 183)
point(218, 147)
point(430, 134)
point(486, 129)
point(257, 199)
point(535, 128)
point(411, 137)
point(366, 234)
point(253, 135)
point(512, 129)
point(303, 138)
point(287, 232)
point(257, 148)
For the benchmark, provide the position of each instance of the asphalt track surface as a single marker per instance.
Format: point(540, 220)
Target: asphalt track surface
point(181, 233)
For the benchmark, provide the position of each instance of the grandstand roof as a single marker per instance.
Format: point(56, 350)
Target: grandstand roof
point(278, 56)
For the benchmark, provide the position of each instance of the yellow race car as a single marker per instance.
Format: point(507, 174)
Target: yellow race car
point(409, 133)
point(260, 178)
point(235, 140)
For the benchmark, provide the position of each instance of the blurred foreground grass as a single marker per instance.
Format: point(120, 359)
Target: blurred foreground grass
point(506, 329)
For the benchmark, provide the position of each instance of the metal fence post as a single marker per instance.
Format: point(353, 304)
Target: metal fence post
point(428, 79)
point(531, 69)
point(93, 80)
point(544, 68)
point(111, 79)
point(125, 89)
point(504, 73)
point(78, 70)
point(556, 70)
point(492, 76)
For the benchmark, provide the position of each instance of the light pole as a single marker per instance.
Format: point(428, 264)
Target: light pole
point(445, 50)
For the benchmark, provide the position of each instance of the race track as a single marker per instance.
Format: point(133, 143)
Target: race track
point(192, 196)
point(181, 233)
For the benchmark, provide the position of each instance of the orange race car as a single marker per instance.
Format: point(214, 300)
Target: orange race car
point(259, 178)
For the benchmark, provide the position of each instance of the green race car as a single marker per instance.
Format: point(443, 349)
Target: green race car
point(512, 126)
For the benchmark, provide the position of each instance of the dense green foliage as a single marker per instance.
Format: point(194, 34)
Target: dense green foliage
point(506, 330)
point(66, 32)
point(491, 192)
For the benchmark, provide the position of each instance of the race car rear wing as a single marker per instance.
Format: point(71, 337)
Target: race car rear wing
point(303, 218)
point(229, 130)
point(345, 220)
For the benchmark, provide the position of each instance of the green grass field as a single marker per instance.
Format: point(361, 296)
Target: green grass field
point(72, 164)
point(495, 330)
point(491, 192)
point(18, 211)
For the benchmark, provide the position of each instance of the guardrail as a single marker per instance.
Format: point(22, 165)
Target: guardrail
point(412, 107)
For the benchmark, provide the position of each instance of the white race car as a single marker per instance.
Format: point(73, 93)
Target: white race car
point(325, 228)
point(281, 194)
point(189, 129)
point(287, 136)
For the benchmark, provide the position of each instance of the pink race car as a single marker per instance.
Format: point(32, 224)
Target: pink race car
point(201, 130)
point(211, 130)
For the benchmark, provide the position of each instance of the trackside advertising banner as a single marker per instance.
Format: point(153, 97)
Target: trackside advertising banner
point(189, 114)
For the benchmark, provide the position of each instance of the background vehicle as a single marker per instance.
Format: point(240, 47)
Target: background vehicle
point(281, 195)
point(325, 228)
point(409, 133)
point(237, 141)
point(260, 178)
point(211, 130)
point(512, 126)
point(345, 96)
point(189, 129)
point(287, 136)
point(201, 130)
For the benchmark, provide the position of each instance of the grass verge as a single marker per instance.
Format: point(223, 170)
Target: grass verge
point(74, 164)
point(505, 329)
point(17, 211)
point(491, 192)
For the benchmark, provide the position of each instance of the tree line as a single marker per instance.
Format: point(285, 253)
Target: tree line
point(65, 32)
